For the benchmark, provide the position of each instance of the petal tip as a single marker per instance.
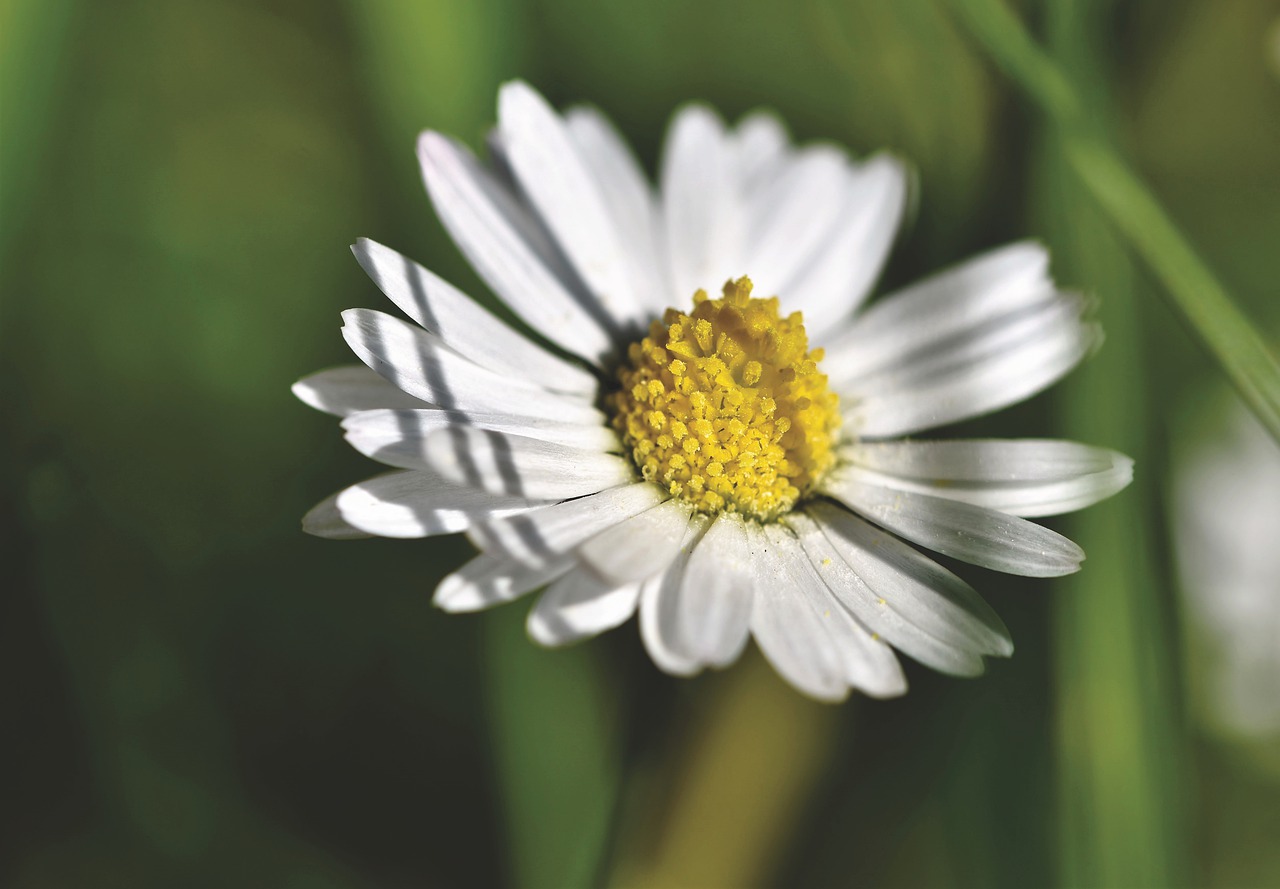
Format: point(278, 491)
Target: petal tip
point(517, 90)
point(452, 598)
point(430, 146)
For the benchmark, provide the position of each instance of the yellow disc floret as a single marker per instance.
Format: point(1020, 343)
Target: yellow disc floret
point(725, 406)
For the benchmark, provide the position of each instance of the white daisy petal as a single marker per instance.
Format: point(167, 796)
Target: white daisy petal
point(640, 546)
point(540, 536)
point(489, 580)
point(983, 459)
point(421, 504)
point(422, 365)
point(464, 325)
point(630, 199)
point(1026, 478)
point(563, 190)
point(840, 277)
point(792, 217)
point(972, 534)
point(520, 466)
point(324, 520)
point(713, 605)
point(701, 203)
point(354, 387)
point(485, 222)
point(1034, 327)
point(912, 602)
point(579, 605)
point(868, 664)
point(995, 368)
point(789, 631)
point(762, 144)
point(398, 438)
point(659, 603)
point(942, 306)
point(499, 177)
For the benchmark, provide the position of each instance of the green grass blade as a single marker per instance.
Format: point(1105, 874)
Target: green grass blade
point(1121, 809)
point(1188, 283)
point(1189, 286)
point(1117, 750)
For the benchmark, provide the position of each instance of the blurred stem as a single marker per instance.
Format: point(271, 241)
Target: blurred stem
point(752, 759)
point(1189, 286)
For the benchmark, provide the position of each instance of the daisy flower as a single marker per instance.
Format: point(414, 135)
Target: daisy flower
point(688, 415)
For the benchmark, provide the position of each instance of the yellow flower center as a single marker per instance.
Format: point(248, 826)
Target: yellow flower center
point(725, 406)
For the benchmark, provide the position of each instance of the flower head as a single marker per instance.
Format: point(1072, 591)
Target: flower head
point(700, 425)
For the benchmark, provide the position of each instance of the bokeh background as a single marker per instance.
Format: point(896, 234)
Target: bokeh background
point(194, 693)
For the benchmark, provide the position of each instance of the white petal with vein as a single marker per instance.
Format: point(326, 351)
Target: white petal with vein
point(464, 325)
point(579, 605)
point(354, 387)
point(564, 192)
point(972, 534)
point(1041, 491)
point(398, 438)
point(912, 602)
point(520, 466)
point(493, 230)
point(701, 204)
point(539, 536)
point(324, 520)
point(489, 580)
point(659, 620)
point(421, 504)
point(844, 270)
point(791, 219)
point(763, 145)
point(713, 607)
point(422, 365)
point(951, 302)
point(983, 459)
point(997, 368)
point(789, 631)
point(640, 546)
point(630, 199)
point(869, 664)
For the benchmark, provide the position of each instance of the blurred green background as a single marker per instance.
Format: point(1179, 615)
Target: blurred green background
point(197, 694)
